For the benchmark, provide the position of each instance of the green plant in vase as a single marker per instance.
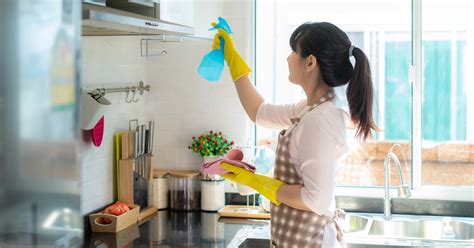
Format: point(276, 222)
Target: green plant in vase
point(211, 144)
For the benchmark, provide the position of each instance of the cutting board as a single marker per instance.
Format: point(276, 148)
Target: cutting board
point(124, 145)
point(118, 150)
point(241, 211)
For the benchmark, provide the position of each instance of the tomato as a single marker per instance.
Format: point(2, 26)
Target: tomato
point(117, 208)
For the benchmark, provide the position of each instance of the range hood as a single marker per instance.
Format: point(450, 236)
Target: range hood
point(99, 20)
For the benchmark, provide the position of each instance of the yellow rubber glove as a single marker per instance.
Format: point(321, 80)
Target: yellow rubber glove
point(266, 186)
point(236, 63)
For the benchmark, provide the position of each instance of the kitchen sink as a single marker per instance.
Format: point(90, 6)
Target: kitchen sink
point(409, 227)
point(395, 228)
point(355, 223)
point(424, 229)
point(463, 230)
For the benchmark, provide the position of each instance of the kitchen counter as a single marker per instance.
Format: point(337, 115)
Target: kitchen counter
point(206, 229)
point(184, 229)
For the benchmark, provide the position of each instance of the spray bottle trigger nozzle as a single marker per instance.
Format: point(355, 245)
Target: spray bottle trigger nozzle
point(222, 24)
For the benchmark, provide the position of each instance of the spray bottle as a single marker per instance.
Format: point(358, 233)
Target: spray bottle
point(212, 63)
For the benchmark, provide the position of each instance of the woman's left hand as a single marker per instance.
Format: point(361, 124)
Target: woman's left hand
point(266, 186)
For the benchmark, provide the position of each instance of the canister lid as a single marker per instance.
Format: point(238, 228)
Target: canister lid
point(184, 173)
point(157, 173)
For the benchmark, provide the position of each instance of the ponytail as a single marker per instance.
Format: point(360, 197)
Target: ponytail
point(360, 95)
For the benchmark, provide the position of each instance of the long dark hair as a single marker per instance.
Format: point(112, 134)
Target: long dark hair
point(330, 45)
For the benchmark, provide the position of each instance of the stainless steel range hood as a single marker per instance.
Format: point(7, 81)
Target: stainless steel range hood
point(100, 20)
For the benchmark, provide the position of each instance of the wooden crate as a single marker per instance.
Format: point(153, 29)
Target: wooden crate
point(118, 222)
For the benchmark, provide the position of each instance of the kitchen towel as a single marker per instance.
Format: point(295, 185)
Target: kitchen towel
point(233, 157)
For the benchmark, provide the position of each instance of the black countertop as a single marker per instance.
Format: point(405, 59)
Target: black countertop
point(186, 229)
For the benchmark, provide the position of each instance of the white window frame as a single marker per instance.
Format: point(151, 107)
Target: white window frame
point(419, 191)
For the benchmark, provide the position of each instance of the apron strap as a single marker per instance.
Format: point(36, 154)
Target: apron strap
point(339, 214)
point(296, 120)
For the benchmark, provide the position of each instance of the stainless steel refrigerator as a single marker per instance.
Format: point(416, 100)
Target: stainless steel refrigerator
point(39, 167)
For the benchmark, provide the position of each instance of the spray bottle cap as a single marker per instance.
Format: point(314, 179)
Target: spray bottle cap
point(222, 24)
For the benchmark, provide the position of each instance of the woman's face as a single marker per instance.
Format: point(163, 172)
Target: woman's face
point(295, 67)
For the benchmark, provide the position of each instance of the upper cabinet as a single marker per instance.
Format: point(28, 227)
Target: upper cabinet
point(150, 17)
point(205, 12)
point(130, 17)
point(176, 11)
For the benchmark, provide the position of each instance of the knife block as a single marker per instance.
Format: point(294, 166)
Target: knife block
point(126, 180)
point(149, 210)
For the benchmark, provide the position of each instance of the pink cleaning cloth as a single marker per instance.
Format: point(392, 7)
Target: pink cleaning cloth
point(215, 167)
point(233, 157)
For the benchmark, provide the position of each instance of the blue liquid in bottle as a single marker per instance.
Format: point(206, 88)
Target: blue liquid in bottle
point(212, 63)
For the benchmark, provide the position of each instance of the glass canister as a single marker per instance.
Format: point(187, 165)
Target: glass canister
point(185, 192)
point(160, 189)
point(212, 192)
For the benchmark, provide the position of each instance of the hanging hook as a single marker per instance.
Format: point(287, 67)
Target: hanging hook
point(128, 93)
point(134, 91)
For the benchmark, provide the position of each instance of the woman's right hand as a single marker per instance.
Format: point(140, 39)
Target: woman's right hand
point(237, 66)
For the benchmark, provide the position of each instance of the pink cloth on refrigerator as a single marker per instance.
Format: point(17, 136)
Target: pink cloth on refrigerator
point(233, 157)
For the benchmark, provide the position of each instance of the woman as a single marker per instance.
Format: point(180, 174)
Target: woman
point(303, 212)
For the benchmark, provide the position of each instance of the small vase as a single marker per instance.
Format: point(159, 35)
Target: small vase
point(208, 159)
point(211, 177)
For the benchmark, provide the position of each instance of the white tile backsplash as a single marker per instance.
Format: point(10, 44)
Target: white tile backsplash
point(109, 62)
point(186, 105)
point(180, 103)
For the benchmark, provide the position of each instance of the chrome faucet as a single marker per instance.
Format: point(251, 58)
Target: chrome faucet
point(403, 189)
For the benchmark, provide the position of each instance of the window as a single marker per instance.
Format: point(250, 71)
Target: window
point(383, 29)
point(446, 113)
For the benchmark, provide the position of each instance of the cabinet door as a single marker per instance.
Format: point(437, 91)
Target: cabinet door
point(205, 12)
point(177, 11)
